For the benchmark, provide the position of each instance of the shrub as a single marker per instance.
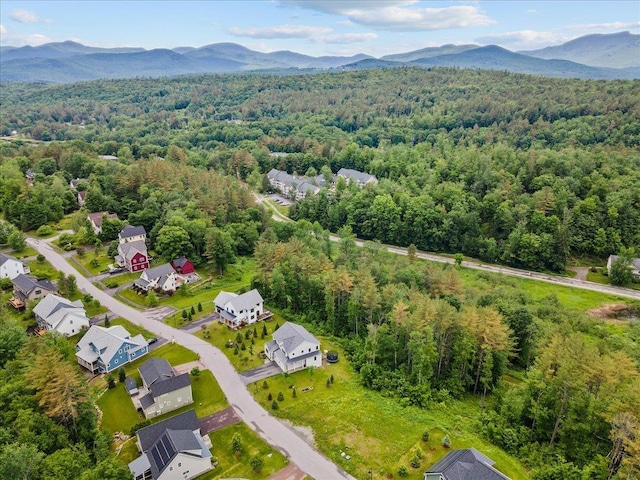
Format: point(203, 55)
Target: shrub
point(280, 397)
point(193, 310)
point(40, 258)
point(415, 460)
point(446, 441)
point(111, 381)
point(265, 385)
point(274, 405)
point(402, 471)
point(328, 382)
point(256, 463)
point(243, 347)
point(294, 394)
point(238, 337)
point(236, 443)
point(139, 425)
point(331, 379)
point(269, 397)
point(44, 231)
point(6, 284)
point(199, 306)
point(425, 436)
point(236, 351)
point(121, 375)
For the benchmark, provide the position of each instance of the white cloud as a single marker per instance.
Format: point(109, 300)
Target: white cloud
point(523, 39)
point(280, 31)
point(400, 15)
point(25, 16)
point(532, 11)
point(16, 40)
point(606, 26)
point(347, 23)
point(345, 38)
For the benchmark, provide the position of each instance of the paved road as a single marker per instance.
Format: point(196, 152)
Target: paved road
point(308, 459)
point(514, 272)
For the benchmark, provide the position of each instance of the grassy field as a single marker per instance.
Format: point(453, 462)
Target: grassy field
point(374, 431)
point(232, 466)
point(43, 269)
point(86, 261)
point(27, 252)
point(574, 299)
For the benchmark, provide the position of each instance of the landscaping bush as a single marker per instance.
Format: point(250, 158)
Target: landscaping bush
point(44, 231)
point(415, 460)
point(425, 436)
point(274, 405)
point(40, 258)
point(236, 443)
point(446, 441)
point(269, 397)
point(5, 284)
point(121, 375)
point(265, 385)
point(402, 471)
point(139, 425)
point(111, 381)
point(256, 463)
point(280, 397)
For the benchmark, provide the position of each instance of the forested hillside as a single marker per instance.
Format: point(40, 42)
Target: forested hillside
point(517, 169)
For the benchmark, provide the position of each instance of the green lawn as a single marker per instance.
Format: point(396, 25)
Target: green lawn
point(132, 328)
point(218, 334)
point(27, 252)
point(113, 281)
point(43, 269)
point(10, 314)
point(119, 414)
point(128, 452)
point(86, 261)
point(232, 466)
point(597, 277)
point(375, 431)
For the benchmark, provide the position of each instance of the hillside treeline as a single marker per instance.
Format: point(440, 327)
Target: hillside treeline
point(518, 169)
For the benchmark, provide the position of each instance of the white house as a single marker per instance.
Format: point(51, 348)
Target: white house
point(172, 449)
point(162, 278)
point(293, 348)
point(95, 219)
point(11, 267)
point(635, 265)
point(58, 314)
point(167, 390)
point(238, 310)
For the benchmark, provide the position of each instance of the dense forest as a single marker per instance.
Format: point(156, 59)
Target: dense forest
point(508, 168)
point(528, 171)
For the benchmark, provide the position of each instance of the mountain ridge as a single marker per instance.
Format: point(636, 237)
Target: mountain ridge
point(77, 62)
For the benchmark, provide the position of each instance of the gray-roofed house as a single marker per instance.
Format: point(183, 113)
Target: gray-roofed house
point(467, 464)
point(293, 348)
point(95, 219)
point(102, 350)
point(161, 278)
point(238, 310)
point(292, 186)
point(361, 178)
point(635, 265)
point(58, 314)
point(172, 449)
point(28, 287)
point(167, 391)
point(11, 267)
point(131, 386)
point(132, 249)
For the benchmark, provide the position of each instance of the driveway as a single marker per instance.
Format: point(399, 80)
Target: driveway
point(218, 420)
point(260, 373)
point(272, 430)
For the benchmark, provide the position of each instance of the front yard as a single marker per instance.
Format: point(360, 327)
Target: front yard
point(238, 466)
point(375, 432)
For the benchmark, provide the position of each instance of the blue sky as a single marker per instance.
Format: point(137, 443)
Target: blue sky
point(313, 27)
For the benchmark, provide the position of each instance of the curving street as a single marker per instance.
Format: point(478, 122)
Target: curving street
point(305, 456)
point(513, 272)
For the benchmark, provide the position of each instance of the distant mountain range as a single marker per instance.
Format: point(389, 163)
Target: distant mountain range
point(590, 57)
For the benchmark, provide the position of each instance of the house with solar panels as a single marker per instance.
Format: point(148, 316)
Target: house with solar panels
point(467, 464)
point(165, 390)
point(172, 449)
point(293, 348)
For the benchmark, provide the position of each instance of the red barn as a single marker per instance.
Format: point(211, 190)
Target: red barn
point(183, 265)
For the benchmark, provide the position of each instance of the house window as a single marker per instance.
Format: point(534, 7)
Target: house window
point(179, 464)
point(116, 360)
point(38, 292)
point(120, 351)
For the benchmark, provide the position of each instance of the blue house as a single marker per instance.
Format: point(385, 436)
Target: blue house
point(103, 350)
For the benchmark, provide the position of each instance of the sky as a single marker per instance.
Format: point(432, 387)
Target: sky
point(313, 27)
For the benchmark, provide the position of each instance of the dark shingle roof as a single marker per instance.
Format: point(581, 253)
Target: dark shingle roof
point(180, 262)
point(468, 464)
point(170, 384)
point(184, 421)
point(131, 231)
point(155, 370)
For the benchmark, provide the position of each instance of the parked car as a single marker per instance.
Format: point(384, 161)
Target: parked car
point(113, 271)
point(152, 340)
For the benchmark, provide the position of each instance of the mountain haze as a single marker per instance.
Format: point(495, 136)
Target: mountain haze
point(590, 57)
